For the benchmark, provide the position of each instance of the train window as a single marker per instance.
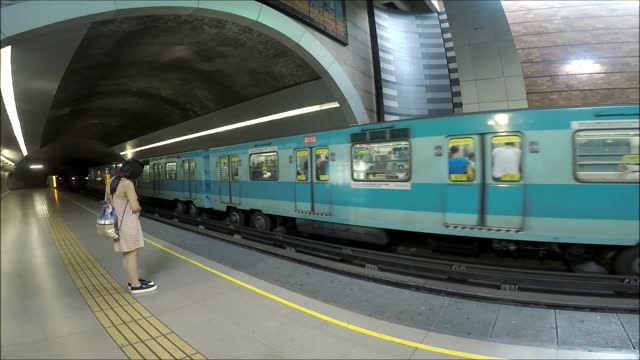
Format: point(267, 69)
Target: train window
point(145, 173)
point(381, 161)
point(188, 169)
point(264, 166)
point(302, 165)
point(170, 170)
point(607, 155)
point(322, 164)
point(235, 168)
point(224, 168)
point(506, 158)
point(461, 159)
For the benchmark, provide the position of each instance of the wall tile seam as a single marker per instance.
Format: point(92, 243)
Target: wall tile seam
point(632, 88)
point(360, 53)
point(418, 95)
point(580, 44)
point(359, 66)
point(616, 13)
point(576, 31)
point(489, 78)
point(362, 28)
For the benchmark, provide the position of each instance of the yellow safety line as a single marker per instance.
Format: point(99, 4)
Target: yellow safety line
point(135, 330)
point(311, 312)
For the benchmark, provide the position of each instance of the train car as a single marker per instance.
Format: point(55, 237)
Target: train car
point(98, 177)
point(182, 178)
point(551, 178)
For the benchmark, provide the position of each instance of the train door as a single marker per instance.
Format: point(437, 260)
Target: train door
point(303, 180)
point(504, 184)
point(225, 181)
point(485, 186)
point(463, 195)
point(188, 173)
point(234, 182)
point(312, 189)
point(155, 172)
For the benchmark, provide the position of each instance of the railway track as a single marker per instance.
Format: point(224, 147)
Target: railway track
point(529, 287)
point(580, 291)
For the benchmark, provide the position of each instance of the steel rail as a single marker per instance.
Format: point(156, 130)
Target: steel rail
point(562, 290)
point(508, 285)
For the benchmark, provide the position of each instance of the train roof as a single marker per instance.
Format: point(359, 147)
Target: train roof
point(564, 115)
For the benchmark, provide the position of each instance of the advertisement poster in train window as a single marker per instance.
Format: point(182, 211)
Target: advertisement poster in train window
point(302, 165)
point(224, 168)
point(322, 164)
point(327, 16)
point(235, 165)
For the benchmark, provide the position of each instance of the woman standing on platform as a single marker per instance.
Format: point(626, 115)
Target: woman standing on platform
point(121, 193)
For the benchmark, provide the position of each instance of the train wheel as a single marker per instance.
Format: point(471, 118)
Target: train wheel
point(180, 208)
point(237, 217)
point(628, 261)
point(261, 221)
point(193, 210)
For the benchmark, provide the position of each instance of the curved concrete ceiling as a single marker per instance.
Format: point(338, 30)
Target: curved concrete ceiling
point(131, 76)
point(138, 71)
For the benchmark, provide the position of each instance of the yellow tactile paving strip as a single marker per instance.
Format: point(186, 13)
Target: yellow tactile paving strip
point(134, 329)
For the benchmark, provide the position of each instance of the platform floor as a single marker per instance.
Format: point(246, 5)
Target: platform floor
point(63, 295)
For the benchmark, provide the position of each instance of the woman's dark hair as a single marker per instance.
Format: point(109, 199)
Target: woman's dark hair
point(130, 169)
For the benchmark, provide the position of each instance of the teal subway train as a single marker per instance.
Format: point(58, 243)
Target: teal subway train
point(549, 178)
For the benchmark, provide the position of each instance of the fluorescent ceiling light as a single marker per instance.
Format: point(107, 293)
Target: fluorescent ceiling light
point(6, 86)
point(282, 115)
point(582, 66)
point(36, 166)
point(7, 160)
point(499, 119)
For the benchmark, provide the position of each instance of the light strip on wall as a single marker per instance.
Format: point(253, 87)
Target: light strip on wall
point(7, 160)
point(6, 86)
point(282, 115)
point(37, 166)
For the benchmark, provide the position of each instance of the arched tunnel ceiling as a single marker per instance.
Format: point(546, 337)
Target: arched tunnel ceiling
point(134, 75)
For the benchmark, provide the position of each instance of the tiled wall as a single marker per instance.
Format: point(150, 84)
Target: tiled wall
point(452, 62)
point(356, 58)
point(601, 35)
point(413, 65)
point(488, 65)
